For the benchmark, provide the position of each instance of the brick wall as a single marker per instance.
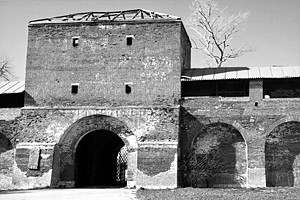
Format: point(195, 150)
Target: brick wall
point(103, 63)
point(252, 121)
point(157, 165)
point(6, 162)
point(185, 46)
point(282, 155)
point(136, 126)
point(130, 83)
point(7, 143)
point(256, 89)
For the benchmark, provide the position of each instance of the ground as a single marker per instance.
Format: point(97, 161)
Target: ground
point(286, 193)
point(70, 194)
point(224, 194)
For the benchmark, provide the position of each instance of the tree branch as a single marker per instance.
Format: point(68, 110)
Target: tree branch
point(5, 68)
point(215, 29)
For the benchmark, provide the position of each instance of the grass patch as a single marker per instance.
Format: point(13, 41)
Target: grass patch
point(285, 193)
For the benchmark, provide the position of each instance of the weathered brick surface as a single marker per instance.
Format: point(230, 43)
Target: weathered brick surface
point(102, 63)
point(6, 169)
point(157, 165)
point(282, 155)
point(185, 49)
point(155, 160)
point(256, 89)
point(228, 149)
point(9, 123)
point(7, 142)
point(45, 158)
point(148, 123)
point(66, 126)
point(6, 160)
point(253, 123)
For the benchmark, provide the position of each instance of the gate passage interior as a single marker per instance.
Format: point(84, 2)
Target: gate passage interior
point(101, 160)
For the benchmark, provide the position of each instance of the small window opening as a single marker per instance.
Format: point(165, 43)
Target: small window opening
point(256, 103)
point(75, 41)
point(129, 39)
point(127, 88)
point(74, 88)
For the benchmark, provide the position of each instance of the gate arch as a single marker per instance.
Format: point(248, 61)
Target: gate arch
point(64, 167)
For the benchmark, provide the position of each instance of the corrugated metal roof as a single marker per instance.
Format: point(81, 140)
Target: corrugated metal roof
point(10, 87)
point(223, 73)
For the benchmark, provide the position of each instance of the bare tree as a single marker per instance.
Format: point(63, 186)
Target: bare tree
point(216, 29)
point(5, 68)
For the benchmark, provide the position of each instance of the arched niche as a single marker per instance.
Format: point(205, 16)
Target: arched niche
point(282, 155)
point(221, 153)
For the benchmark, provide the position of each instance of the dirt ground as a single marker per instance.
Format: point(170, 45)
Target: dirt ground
point(284, 193)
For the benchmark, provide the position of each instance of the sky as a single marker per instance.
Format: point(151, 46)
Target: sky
point(272, 28)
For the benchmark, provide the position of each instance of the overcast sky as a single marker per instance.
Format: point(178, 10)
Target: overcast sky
point(273, 27)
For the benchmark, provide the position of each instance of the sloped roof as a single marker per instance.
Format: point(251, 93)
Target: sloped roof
point(10, 87)
point(136, 14)
point(223, 73)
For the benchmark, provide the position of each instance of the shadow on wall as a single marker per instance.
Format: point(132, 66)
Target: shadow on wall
point(29, 100)
point(217, 157)
point(282, 155)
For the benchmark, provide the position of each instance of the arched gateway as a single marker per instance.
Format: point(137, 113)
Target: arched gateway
point(93, 152)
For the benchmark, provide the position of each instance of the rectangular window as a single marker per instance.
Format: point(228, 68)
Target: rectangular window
point(128, 87)
point(74, 88)
point(75, 41)
point(129, 39)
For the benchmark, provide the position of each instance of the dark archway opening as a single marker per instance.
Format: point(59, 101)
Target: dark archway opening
point(282, 155)
point(100, 160)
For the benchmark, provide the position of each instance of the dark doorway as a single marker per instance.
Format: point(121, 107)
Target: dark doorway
point(100, 160)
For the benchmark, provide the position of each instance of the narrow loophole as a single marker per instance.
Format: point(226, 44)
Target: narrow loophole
point(127, 89)
point(74, 88)
point(129, 40)
point(75, 41)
